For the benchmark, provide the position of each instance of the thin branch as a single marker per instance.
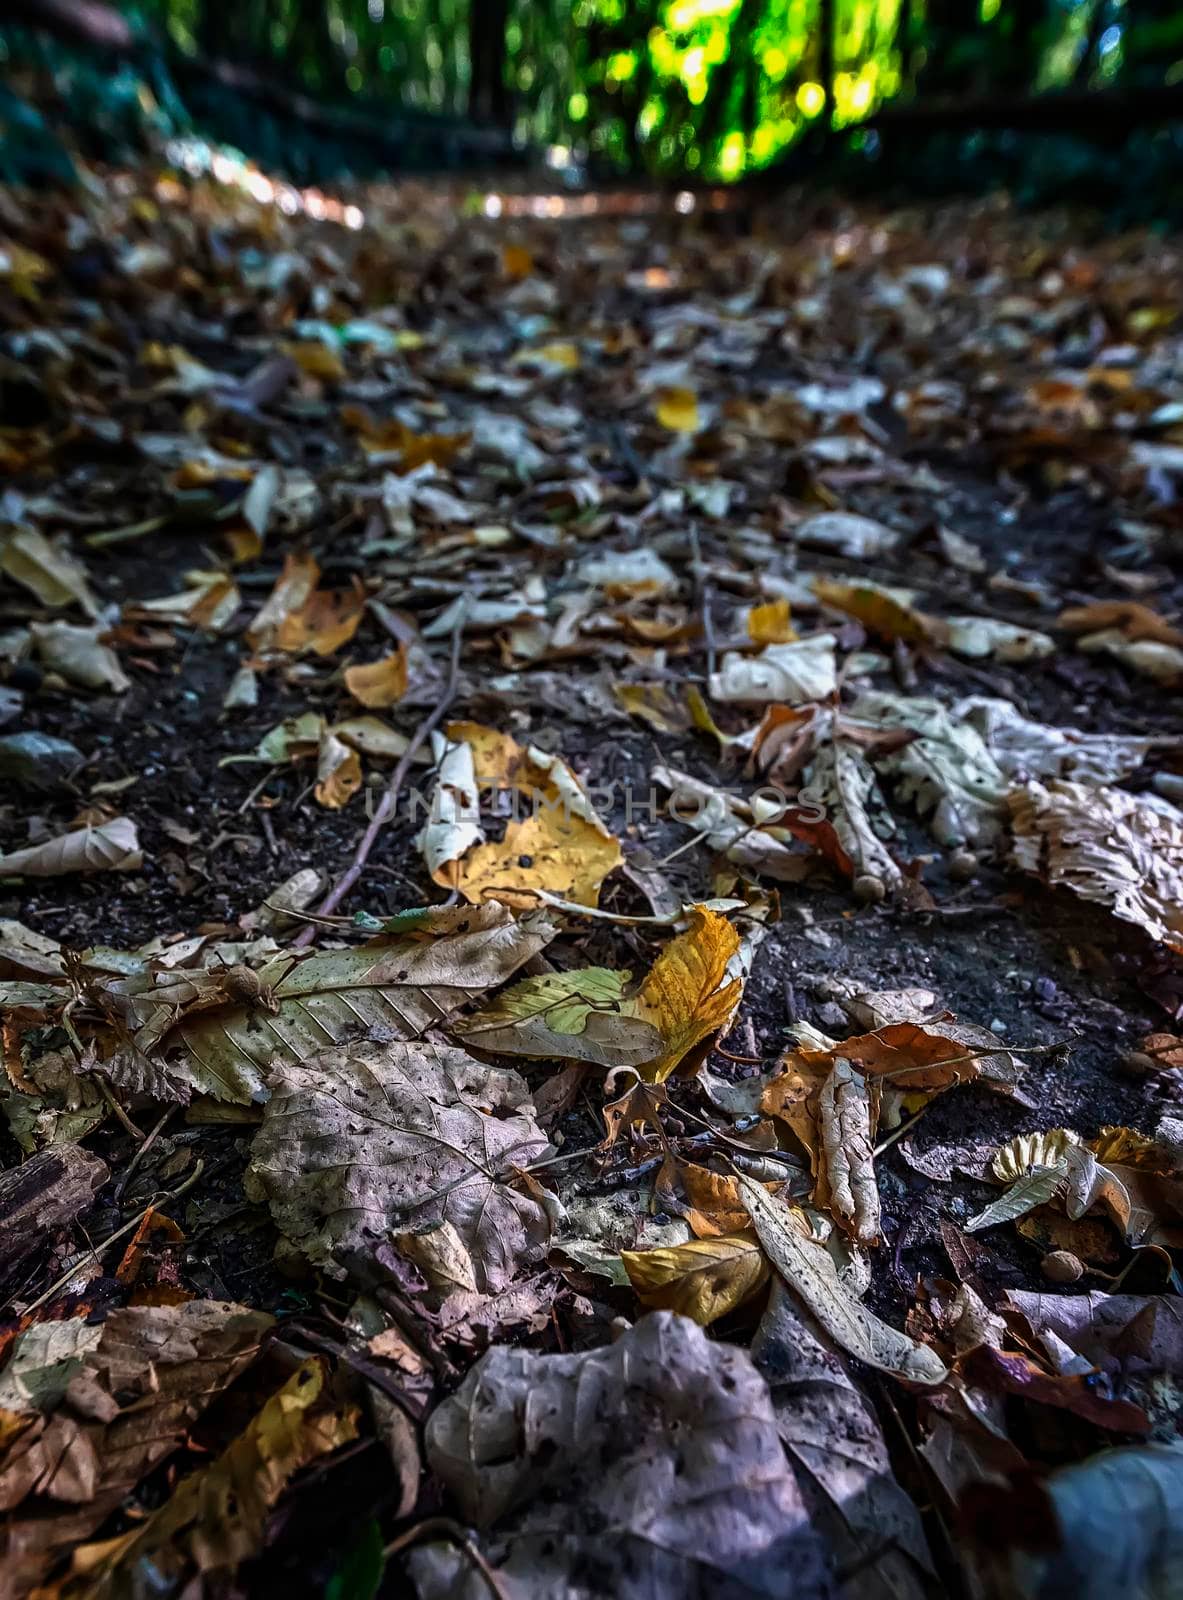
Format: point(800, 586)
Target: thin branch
point(385, 808)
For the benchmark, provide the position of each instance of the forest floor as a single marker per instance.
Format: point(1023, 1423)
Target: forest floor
point(811, 574)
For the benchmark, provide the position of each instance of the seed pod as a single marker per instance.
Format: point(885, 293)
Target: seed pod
point(1061, 1266)
point(869, 889)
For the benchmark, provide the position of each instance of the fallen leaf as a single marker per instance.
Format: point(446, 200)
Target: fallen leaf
point(80, 655)
point(581, 1015)
point(810, 1273)
point(47, 570)
point(105, 847)
point(101, 1407)
point(879, 611)
point(796, 673)
point(327, 619)
point(410, 980)
point(359, 1140)
point(379, 684)
point(1120, 850)
point(771, 623)
point(845, 1124)
point(293, 588)
point(216, 1518)
point(1034, 1188)
point(857, 538)
point(1131, 618)
point(579, 1453)
point(689, 994)
point(704, 1279)
point(338, 772)
point(676, 408)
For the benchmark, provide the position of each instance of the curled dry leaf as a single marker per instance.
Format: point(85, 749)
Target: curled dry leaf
point(1120, 850)
point(842, 783)
point(847, 534)
point(1150, 658)
point(359, 1141)
point(216, 1518)
point(566, 1465)
point(840, 1457)
point(79, 654)
point(809, 1270)
point(106, 847)
point(844, 1119)
point(582, 1015)
point(1025, 749)
point(703, 1279)
point(338, 772)
point(881, 611)
point(730, 826)
point(47, 570)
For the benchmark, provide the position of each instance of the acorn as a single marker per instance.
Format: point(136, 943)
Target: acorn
point(869, 889)
point(1061, 1266)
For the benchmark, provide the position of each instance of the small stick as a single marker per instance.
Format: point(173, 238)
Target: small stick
point(705, 597)
point(139, 1153)
point(447, 1528)
point(161, 1200)
point(385, 807)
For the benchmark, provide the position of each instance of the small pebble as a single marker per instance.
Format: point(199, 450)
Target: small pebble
point(1044, 988)
point(998, 1026)
point(1061, 1266)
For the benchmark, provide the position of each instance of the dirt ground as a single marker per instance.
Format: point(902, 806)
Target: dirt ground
point(1061, 981)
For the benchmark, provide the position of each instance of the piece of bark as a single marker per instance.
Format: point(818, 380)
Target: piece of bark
point(43, 1194)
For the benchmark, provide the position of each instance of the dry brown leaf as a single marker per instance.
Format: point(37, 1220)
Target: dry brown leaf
point(771, 623)
point(216, 1518)
point(845, 1123)
point(553, 1458)
point(107, 847)
point(688, 995)
point(1131, 617)
point(808, 1269)
point(47, 569)
point(364, 1139)
point(413, 978)
point(104, 1405)
point(704, 1279)
point(1120, 850)
point(79, 654)
point(880, 612)
point(293, 588)
point(327, 619)
point(379, 684)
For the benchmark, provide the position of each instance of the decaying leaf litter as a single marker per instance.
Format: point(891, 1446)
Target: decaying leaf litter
point(591, 892)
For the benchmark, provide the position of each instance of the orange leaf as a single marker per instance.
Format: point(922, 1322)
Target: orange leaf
point(379, 684)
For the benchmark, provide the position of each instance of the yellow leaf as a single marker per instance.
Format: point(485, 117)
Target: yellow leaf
point(317, 360)
point(498, 760)
point(378, 684)
point(517, 261)
point(562, 854)
point(292, 589)
point(703, 1279)
point(770, 624)
point(677, 409)
point(559, 354)
point(687, 995)
point(879, 612)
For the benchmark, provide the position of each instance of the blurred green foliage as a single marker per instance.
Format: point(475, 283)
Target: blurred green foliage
point(702, 89)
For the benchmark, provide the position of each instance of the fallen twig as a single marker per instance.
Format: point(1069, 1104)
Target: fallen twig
point(385, 808)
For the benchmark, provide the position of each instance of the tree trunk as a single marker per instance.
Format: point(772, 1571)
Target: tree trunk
point(488, 93)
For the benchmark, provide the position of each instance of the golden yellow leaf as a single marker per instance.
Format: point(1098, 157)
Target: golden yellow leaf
point(677, 409)
point(317, 360)
point(517, 261)
point(687, 995)
point(328, 619)
point(564, 855)
point(879, 612)
point(709, 1201)
point(703, 1279)
point(559, 354)
point(382, 436)
point(498, 760)
point(378, 684)
point(770, 624)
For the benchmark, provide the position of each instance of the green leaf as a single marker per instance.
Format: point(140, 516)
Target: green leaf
point(360, 1573)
